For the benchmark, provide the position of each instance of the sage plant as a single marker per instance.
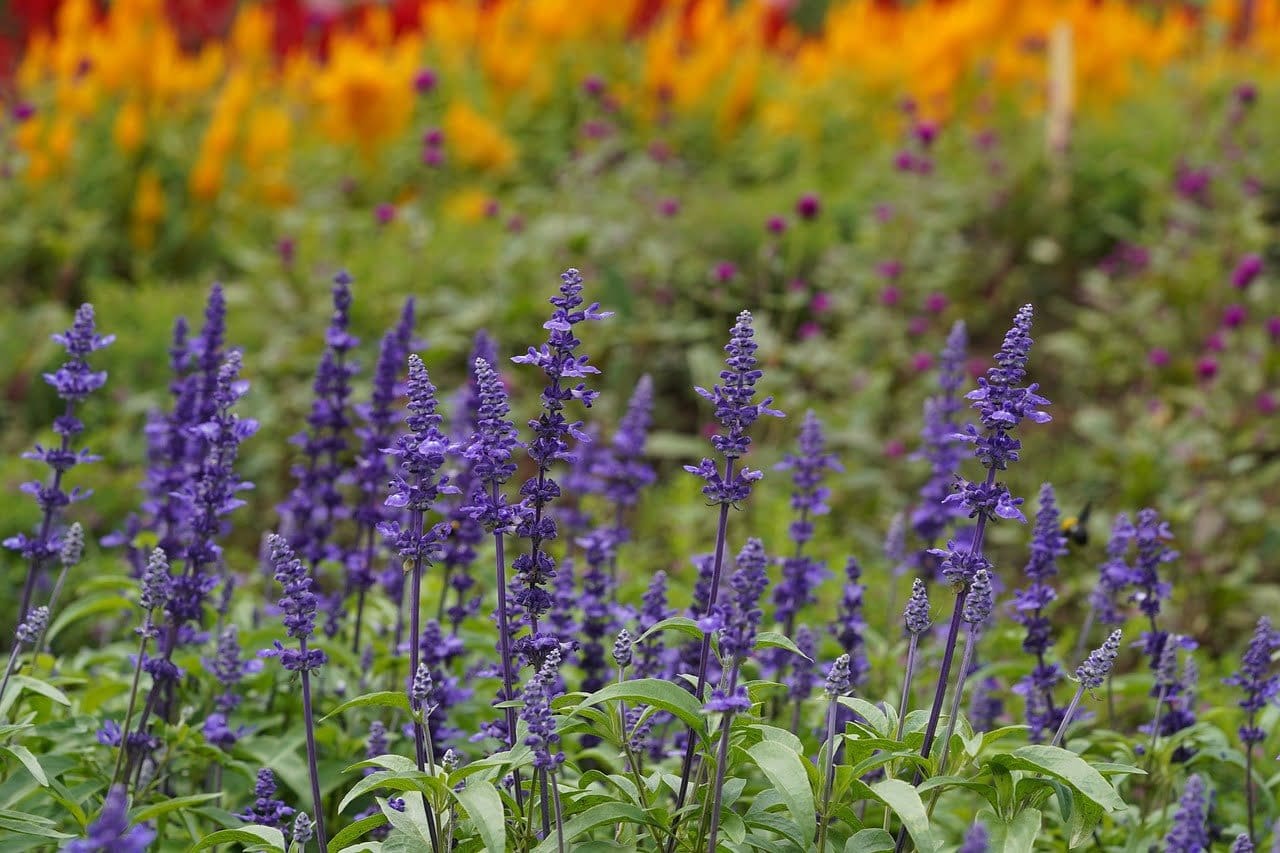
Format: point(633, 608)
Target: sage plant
point(1260, 689)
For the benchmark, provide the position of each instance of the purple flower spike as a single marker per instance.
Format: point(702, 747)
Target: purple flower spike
point(1189, 833)
point(975, 840)
point(298, 604)
point(1094, 671)
point(940, 445)
point(111, 832)
point(916, 616)
point(741, 616)
point(266, 809)
point(1253, 679)
point(850, 625)
point(1047, 544)
point(801, 574)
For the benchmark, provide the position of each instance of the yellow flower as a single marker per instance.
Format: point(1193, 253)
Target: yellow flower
point(148, 209)
point(130, 126)
point(476, 142)
point(205, 180)
point(268, 137)
point(366, 94)
point(467, 205)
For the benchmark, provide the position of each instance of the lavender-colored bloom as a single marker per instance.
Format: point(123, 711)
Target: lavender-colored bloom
point(1150, 535)
point(1242, 844)
point(985, 705)
point(1114, 575)
point(651, 654)
point(490, 450)
point(850, 625)
point(316, 502)
point(377, 432)
point(622, 649)
point(559, 361)
point(111, 832)
point(801, 574)
point(1259, 688)
point(939, 445)
point(228, 669)
point(33, 626)
point(536, 713)
point(735, 701)
point(1047, 544)
point(1095, 669)
point(73, 382)
point(839, 678)
point(736, 411)
point(979, 602)
point(421, 688)
point(895, 545)
point(376, 744)
point(916, 615)
point(266, 809)
point(1189, 833)
point(804, 673)
point(624, 470)
point(598, 616)
point(740, 617)
point(416, 483)
point(303, 829)
point(975, 840)
point(298, 606)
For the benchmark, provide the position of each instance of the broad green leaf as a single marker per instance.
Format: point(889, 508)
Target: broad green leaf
point(411, 822)
point(605, 814)
point(482, 803)
point(1016, 836)
point(775, 822)
point(406, 780)
point(29, 761)
point(905, 802)
point(786, 771)
point(774, 640)
point(253, 837)
point(386, 699)
point(156, 809)
point(873, 715)
point(1067, 766)
point(683, 624)
point(87, 606)
point(656, 693)
point(869, 841)
point(352, 832)
point(18, 683)
point(782, 736)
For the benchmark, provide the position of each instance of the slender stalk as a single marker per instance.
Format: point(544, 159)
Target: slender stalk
point(504, 646)
point(46, 527)
point(1249, 794)
point(415, 653)
point(906, 683)
point(1155, 726)
point(633, 765)
point(722, 762)
point(686, 765)
point(971, 641)
point(555, 795)
point(1067, 715)
point(1084, 633)
point(8, 669)
point(311, 750)
point(128, 714)
point(369, 546)
point(829, 777)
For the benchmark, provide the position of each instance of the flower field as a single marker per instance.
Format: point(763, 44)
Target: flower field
point(666, 425)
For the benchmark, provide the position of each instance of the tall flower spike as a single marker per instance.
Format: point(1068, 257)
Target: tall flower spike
point(939, 445)
point(298, 604)
point(979, 602)
point(736, 410)
point(975, 840)
point(801, 574)
point(850, 625)
point(624, 470)
point(73, 382)
point(1189, 833)
point(838, 678)
point(561, 364)
point(1047, 544)
point(1259, 688)
point(266, 809)
point(1114, 574)
point(490, 451)
point(1242, 844)
point(1094, 671)
point(916, 616)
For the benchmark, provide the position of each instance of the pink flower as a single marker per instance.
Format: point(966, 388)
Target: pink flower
point(797, 285)
point(724, 271)
point(890, 296)
point(492, 208)
point(1215, 342)
point(889, 269)
point(905, 161)
point(515, 224)
point(1158, 357)
point(1273, 328)
point(808, 206)
point(669, 207)
point(384, 213)
point(433, 137)
point(917, 326)
point(593, 86)
point(921, 361)
point(1233, 316)
point(286, 247)
point(808, 330)
point(935, 303)
point(925, 132)
point(424, 81)
point(775, 225)
point(894, 448)
point(433, 157)
point(883, 212)
point(1247, 271)
point(1207, 367)
point(1267, 403)
point(659, 151)
point(820, 303)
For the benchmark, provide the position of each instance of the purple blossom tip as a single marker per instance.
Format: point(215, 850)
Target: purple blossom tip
point(1095, 669)
point(916, 615)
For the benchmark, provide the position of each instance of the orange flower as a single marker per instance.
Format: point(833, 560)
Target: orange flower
point(475, 141)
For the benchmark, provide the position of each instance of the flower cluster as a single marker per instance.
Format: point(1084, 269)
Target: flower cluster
point(1048, 543)
point(298, 604)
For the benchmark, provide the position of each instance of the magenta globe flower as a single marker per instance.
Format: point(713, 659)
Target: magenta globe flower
point(1233, 316)
point(1247, 271)
point(1207, 367)
point(820, 303)
point(935, 303)
point(890, 296)
point(669, 207)
point(1273, 328)
point(424, 81)
point(724, 272)
point(1158, 357)
point(889, 269)
point(921, 361)
point(385, 213)
point(808, 207)
point(775, 225)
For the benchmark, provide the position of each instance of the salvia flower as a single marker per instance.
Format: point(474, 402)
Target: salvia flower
point(538, 694)
point(801, 574)
point(421, 688)
point(849, 626)
point(111, 832)
point(1253, 679)
point(624, 470)
point(303, 829)
point(803, 676)
point(298, 605)
point(1095, 669)
point(490, 451)
point(939, 444)
point(622, 649)
point(1189, 833)
point(1242, 844)
point(266, 809)
point(979, 602)
point(736, 410)
point(1047, 544)
point(916, 615)
point(561, 364)
point(228, 669)
point(740, 618)
point(975, 840)
point(73, 382)
point(839, 678)
point(33, 626)
point(1114, 575)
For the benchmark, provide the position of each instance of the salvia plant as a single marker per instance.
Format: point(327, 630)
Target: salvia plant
point(464, 628)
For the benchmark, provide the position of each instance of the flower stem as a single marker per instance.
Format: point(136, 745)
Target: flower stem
point(962, 676)
point(1067, 715)
point(829, 777)
point(722, 761)
point(1249, 795)
point(133, 700)
point(555, 795)
point(504, 646)
point(46, 526)
point(311, 749)
point(906, 683)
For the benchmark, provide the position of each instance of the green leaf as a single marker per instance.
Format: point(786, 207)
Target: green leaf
point(657, 693)
point(253, 837)
point(156, 809)
point(29, 761)
point(482, 803)
point(35, 685)
point(875, 718)
point(775, 822)
point(1068, 767)
point(352, 832)
point(786, 771)
point(411, 822)
point(87, 606)
point(601, 815)
point(683, 624)
point(905, 802)
point(404, 780)
point(30, 824)
point(385, 699)
point(869, 841)
point(774, 640)
point(1016, 836)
